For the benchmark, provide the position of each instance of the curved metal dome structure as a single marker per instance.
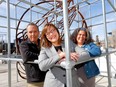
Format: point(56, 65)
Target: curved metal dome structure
point(99, 16)
point(48, 17)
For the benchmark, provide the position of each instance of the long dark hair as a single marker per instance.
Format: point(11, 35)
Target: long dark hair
point(88, 36)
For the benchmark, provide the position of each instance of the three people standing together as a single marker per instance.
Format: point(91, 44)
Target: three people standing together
point(52, 54)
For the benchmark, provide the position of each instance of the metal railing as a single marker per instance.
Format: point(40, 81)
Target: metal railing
point(17, 58)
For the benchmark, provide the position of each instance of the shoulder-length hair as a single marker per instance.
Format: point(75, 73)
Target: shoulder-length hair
point(44, 41)
point(88, 36)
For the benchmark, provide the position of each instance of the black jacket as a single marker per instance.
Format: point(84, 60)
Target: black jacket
point(29, 52)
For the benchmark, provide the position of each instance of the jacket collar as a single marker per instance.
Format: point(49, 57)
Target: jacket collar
point(28, 40)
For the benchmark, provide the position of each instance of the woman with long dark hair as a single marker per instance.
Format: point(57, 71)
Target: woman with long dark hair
point(87, 70)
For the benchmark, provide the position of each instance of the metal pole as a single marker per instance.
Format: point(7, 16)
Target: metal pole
point(55, 15)
point(8, 41)
point(106, 44)
point(67, 48)
point(15, 40)
point(77, 9)
point(90, 19)
point(115, 3)
point(30, 13)
point(112, 5)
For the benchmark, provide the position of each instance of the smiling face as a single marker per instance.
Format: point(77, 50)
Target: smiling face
point(81, 37)
point(32, 33)
point(52, 35)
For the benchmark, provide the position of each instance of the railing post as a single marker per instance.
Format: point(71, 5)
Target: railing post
point(8, 41)
point(106, 44)
point(67, 48)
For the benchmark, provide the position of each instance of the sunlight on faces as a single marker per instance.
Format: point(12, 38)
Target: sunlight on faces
point(32, 33)
point(50, 32)
point(81, 37)
point(52, 35)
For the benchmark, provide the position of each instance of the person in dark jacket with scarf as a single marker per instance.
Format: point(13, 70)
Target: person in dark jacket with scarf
point(30, 50)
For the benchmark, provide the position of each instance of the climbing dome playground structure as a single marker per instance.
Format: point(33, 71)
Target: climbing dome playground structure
point(98, 16)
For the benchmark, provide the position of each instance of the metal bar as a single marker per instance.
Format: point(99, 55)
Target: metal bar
point(90, 21)
point(70, 29)
point(115, 3)
point(78, 21)
point(77, 9)
point(8, 41)
point(112, 5)
point(55, 15)
point(96, 24)
point(13, 19)
point(106, 43)
point(10, 27)
point(19, 58)
point(57, 11)
point(24, 1)
point(67, 48)
point(15, 41)
point(51, 14)
point(38, 6)
point(96, 16)
point(23, 7)
point(30, 13)
point(12, 59)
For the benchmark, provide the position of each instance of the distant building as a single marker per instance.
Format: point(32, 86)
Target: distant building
point(112, 39)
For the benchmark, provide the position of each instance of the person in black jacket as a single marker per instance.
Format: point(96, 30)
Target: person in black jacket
point(30, 50)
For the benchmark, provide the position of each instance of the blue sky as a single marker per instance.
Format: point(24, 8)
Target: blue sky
point(96, 9)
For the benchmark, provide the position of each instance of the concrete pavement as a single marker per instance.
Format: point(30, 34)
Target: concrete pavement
point(17, 81)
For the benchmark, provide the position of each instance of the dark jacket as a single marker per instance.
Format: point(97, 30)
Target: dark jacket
point(30, 52)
